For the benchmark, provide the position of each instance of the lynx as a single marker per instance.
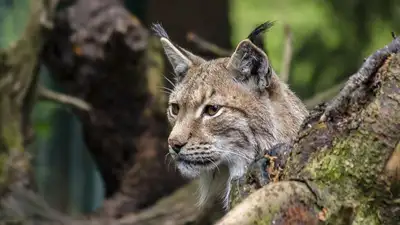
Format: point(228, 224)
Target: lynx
point(225, 111)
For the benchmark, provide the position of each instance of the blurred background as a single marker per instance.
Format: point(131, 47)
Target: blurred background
point(317, 45)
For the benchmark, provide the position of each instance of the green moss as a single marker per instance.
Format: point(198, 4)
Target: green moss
point(269, 217)
point(348, 173)
point(20, 61)
point(11, 136)
point(3, 160)
point(366, 215)
point(347, 159)
point(265, 221)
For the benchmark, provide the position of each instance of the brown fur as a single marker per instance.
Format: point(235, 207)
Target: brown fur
point(257, 111)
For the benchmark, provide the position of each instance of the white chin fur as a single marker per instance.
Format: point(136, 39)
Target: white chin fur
point(214, 182)
point(193, 171)
point(217, 183)
point(188, 171)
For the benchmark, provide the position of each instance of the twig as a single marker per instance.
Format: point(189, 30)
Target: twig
point(47, 94)
point(207, 46)
point(324, 95)
point(287, 54)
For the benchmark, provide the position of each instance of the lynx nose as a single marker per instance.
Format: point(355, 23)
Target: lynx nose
point(176, 145)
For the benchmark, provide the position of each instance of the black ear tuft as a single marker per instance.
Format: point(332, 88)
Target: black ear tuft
point(159, 31)
point(259, 30)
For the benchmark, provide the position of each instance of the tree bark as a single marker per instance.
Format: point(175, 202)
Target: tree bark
point(343, 170)
point(100, 53)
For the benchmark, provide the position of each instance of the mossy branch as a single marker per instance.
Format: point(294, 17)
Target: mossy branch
point(267, 204)
point(342, 161)
point(18, 66)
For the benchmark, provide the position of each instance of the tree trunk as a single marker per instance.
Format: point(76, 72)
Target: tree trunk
point(18, 71)
point(100, 53)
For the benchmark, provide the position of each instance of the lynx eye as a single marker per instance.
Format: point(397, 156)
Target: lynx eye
point(174, 109)
point(211, 110)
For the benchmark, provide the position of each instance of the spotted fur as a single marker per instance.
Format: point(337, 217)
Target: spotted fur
point(256, 111)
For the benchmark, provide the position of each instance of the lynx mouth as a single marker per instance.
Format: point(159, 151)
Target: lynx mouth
point(193, 165)
point(196, 162)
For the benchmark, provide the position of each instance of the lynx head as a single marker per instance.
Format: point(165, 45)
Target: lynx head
point(224, 111)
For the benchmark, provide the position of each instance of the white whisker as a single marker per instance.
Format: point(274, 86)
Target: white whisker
point(166, 156)
point(166, 92)
point(169, 160)
point(235, 153)
point(169, 81)
point(166, 89)
point(212, 161)
point(172, 74)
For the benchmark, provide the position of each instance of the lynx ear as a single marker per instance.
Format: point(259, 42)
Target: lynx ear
point(251, 65)
point(178, 60)
point(249, 61)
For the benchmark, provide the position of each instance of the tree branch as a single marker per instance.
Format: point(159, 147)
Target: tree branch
point(208, 46)
point(25, 206)
point(269, 201)
point(47, 94)
point(362, 76)
point(353, 155)
point(287, 54)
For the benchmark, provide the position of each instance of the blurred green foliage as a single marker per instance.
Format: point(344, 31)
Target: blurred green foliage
point(13, 17)
point(330, 38)
point(40, 117)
